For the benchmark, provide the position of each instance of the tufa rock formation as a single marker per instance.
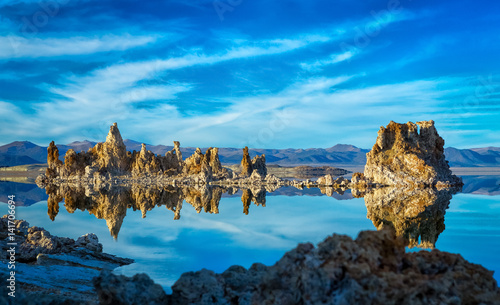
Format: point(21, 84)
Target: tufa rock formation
point(111, 158)
point(246, 163)
point(409, 154)
point(249, 166)
point(373, 269)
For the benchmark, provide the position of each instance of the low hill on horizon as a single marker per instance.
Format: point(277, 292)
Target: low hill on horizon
point(24, 152)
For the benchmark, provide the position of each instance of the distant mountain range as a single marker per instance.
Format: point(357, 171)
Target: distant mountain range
point(340, 155)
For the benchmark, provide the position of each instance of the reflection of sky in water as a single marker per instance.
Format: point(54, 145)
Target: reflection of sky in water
point(165, 248)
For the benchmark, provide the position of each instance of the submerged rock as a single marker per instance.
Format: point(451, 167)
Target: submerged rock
point(372, 269)
point(409, 154)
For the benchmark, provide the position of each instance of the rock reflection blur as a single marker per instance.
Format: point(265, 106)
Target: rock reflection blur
point(112, 203)
point(415, 214)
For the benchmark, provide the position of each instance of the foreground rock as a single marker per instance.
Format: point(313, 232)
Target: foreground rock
point(51, 269)
point(409, 154)
point(373, 269)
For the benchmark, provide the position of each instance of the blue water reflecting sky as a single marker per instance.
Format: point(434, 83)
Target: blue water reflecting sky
point(165, 248)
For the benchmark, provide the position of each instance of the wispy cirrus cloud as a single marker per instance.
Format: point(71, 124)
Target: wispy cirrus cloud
point(19, 47)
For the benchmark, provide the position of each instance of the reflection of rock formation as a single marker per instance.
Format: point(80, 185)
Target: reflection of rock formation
point(255, 195)
point(409, 154)
point(112, 203)
point(415, 214)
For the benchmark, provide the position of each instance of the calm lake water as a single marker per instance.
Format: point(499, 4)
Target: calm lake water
point(164, 247)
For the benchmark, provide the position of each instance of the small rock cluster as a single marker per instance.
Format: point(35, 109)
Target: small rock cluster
point(34, 240)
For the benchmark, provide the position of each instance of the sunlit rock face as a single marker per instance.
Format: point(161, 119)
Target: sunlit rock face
point(409, 154)
point(111, 159)
point(417, 215)
point(256, 165)
point(246, 163)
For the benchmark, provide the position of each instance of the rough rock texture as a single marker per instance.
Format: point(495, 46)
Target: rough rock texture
point(119, 289)
point(246, 163)
point(34, 240)
point(373, 269)
point(409, 154)
point(259, 165)
point(417, 215)
point(112, 154)
point(329, 180)
point(51, 269)
point(108, 160)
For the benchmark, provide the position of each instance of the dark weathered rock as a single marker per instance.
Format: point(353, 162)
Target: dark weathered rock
point(118, 289)
point(409, 154)
point(373, 269)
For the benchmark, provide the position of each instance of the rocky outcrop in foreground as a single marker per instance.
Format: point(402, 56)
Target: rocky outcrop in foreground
point(373, 269)
point(409, 154)
point(51, 269)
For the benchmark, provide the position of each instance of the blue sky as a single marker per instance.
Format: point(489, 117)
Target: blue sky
point(230, 73)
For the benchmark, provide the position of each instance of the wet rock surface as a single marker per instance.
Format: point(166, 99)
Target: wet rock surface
point(373, 269)
point(409, 154)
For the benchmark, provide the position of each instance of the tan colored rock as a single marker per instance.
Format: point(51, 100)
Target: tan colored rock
point(259, 165)
point(53, 162)
point(409, 154)
point(112, 154)
point(246, 163)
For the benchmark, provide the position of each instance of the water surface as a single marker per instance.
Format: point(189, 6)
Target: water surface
point(246, 230)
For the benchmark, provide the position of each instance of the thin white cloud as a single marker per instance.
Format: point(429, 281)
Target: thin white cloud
point(317, 65)
point(19, 47)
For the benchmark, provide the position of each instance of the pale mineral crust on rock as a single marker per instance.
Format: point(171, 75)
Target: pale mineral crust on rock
point(409, 154)
point(373, 269)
